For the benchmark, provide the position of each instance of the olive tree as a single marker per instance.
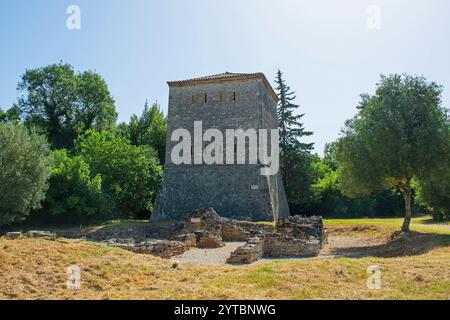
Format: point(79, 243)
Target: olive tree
point(24, 170)
point(400, 134)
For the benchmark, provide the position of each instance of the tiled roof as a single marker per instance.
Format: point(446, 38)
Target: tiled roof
point(227, 76)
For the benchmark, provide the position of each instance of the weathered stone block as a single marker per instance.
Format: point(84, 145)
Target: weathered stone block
point(280, 246)
point(189, 239)
point(206, 239)
point(250, 252)
point(161, 248)
point(232, 232)
point(40, 234)
point(13, 235)
point(206, 219)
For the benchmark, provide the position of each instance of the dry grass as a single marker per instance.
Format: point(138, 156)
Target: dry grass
point(36, 269)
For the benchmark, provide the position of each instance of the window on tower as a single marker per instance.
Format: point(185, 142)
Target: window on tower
point(233, 97)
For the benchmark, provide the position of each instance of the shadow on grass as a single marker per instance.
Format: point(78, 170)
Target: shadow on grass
point(399, 245)
point(433, 222)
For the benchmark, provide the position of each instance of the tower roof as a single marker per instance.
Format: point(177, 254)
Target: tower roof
point(223, 77)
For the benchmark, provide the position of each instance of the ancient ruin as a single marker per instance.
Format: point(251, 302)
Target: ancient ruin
point(294, 236)
point(228, 101)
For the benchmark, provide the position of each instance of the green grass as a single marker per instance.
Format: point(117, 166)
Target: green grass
point(421, 224)
point(109, 223)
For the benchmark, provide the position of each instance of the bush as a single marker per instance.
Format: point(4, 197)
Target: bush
point(24, 170)
point(130, 174)
point(74, 194)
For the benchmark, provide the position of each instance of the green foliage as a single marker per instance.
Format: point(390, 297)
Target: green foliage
point(329, 156)
point(329, 200)
point(75, 195)
point(63, 104)
point(149, 129)
point(295, 157)
point(433, 192)
point(399, 134)
point(291, 129)
point(298, 177)
point(130, 174)
point(24, 170)
point(12, 115)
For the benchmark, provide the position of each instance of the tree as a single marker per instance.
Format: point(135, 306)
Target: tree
point(298, 178)
point(74, 195)
point(12, 115)
point(149, 129)
point(2, 115)
point(291, 129)
point(399, 134)
point(24, 170)
point(329, 200)
point(433, 192)
point(63, 104)
point(295, 157)
point(329, 155)
point(130, 174)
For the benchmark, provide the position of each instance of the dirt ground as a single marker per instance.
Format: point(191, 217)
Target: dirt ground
point(208, 256)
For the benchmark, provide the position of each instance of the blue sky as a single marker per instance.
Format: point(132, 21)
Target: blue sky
point(327, 52)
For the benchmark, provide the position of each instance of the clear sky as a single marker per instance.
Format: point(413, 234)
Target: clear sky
point(326, 49)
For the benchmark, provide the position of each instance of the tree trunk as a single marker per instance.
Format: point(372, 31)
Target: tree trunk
point(405, 189)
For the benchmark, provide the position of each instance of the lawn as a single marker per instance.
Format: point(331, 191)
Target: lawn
point(422, 224)
point(36, 269)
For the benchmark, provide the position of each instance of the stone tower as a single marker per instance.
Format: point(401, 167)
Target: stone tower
point(223, 101)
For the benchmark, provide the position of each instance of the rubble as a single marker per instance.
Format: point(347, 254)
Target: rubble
point(295, 236)
point(250, 252)
point(40, 234)
point(13, 235)
point(161, 248)
point(208, 240)
point(189, 239)
point(30, 234)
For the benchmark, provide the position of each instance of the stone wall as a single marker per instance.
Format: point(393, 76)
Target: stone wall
point(294, 236)
point(229, 230)
point(236, 191)
point(161, 248)
point(250, 252)
point(139, 232)
point(281, 246)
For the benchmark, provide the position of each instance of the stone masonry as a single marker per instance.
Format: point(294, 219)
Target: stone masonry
point(224, 101)
point(291, 237)
point(294, 236)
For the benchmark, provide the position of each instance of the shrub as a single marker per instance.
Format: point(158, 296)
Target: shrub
point(24, 170)
point(131, 174)
point(74, 195)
